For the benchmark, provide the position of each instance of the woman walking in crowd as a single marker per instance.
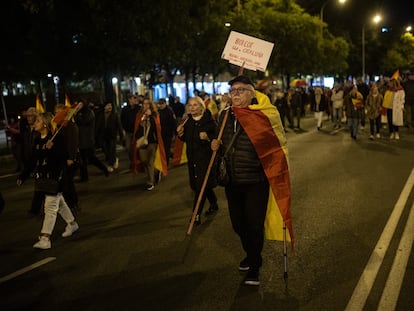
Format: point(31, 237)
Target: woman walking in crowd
point(394, 99)
point(197, 132)
point(337, 99)
point(148, 124)
point(319, 106)
point(48, 163)
point(353, 105)
point(373, 105)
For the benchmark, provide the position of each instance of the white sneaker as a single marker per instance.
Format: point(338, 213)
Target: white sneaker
point(397, 136)
point(378, 135)
point(110, 169)
point(44, 243)
point(116, 164)
point(70, 229)
point(392, 136)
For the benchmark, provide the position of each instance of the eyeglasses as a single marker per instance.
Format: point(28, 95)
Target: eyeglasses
point(239, 90)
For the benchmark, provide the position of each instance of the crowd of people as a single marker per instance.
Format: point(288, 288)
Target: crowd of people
point(247, 127)
point(387, 103)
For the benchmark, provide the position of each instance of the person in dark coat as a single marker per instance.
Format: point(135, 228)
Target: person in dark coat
point(85, 119)
point(197, 132)
point(109, 127)
point(168, 125)
point(48, 164)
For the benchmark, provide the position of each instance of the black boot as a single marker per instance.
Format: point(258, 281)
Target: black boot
point(213, 208)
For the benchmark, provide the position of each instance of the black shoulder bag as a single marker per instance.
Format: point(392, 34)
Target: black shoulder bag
point(223, 177)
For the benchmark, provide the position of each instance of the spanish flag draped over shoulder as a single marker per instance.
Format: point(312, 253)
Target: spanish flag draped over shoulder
point(160, 162)
point(264, 128)
point(39, 106)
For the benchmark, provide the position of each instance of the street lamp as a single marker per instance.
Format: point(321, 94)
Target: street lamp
point(376, 19)
point(324, 5)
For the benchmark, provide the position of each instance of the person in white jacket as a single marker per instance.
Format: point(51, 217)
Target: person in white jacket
point(398, 101)
point(337, 99)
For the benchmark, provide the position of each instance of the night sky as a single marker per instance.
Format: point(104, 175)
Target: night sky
point(395, 13)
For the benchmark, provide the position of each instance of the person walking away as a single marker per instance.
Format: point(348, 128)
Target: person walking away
point(85, 120)
point(258, 171)
point(48, 163)
point(197, 132)
point(373, 105)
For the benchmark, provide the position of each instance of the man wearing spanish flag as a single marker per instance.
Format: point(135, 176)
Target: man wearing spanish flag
point(258, 194)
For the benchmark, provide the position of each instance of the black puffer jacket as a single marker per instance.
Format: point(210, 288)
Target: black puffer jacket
point(242, 160)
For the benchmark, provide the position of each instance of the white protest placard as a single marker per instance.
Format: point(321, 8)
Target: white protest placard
point(251, 51)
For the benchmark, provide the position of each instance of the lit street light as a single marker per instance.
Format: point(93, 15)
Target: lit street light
point(324, 5)
point(376, 19)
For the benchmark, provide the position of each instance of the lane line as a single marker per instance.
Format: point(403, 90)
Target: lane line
point(393, 285)
point(26, 269)
point(366, 281)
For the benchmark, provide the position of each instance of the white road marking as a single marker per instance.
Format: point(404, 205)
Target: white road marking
point(26, 269)
point(392, 288)
point(366, 281)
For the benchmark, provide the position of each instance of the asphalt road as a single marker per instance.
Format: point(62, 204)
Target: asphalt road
point(132, 251)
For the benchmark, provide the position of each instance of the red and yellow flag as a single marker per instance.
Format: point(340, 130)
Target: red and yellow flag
point(396, 75)
point(264, 128)
point(160, 162)
point(67, 101)
point(180, 149)
point(179, 152)
point(39, 106)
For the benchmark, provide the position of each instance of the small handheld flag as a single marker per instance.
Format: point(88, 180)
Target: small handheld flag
point(39, 106)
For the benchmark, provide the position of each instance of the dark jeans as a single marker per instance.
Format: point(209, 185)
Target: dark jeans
point(209, 194)
point(247, 207)
point(109, 148)
point(375, 123)
point(88, 156)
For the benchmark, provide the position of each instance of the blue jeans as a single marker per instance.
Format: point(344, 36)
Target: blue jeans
point(353, 124)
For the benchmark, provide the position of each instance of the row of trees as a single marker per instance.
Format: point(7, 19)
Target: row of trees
point(98, 39)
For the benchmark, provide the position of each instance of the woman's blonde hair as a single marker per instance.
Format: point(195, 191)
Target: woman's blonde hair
point(153, 107)
point(199, 101)
point(47, 119)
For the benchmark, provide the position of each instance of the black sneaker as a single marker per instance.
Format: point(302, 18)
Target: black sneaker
point(149, 187)
point(252, 278)
point(244, 265)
